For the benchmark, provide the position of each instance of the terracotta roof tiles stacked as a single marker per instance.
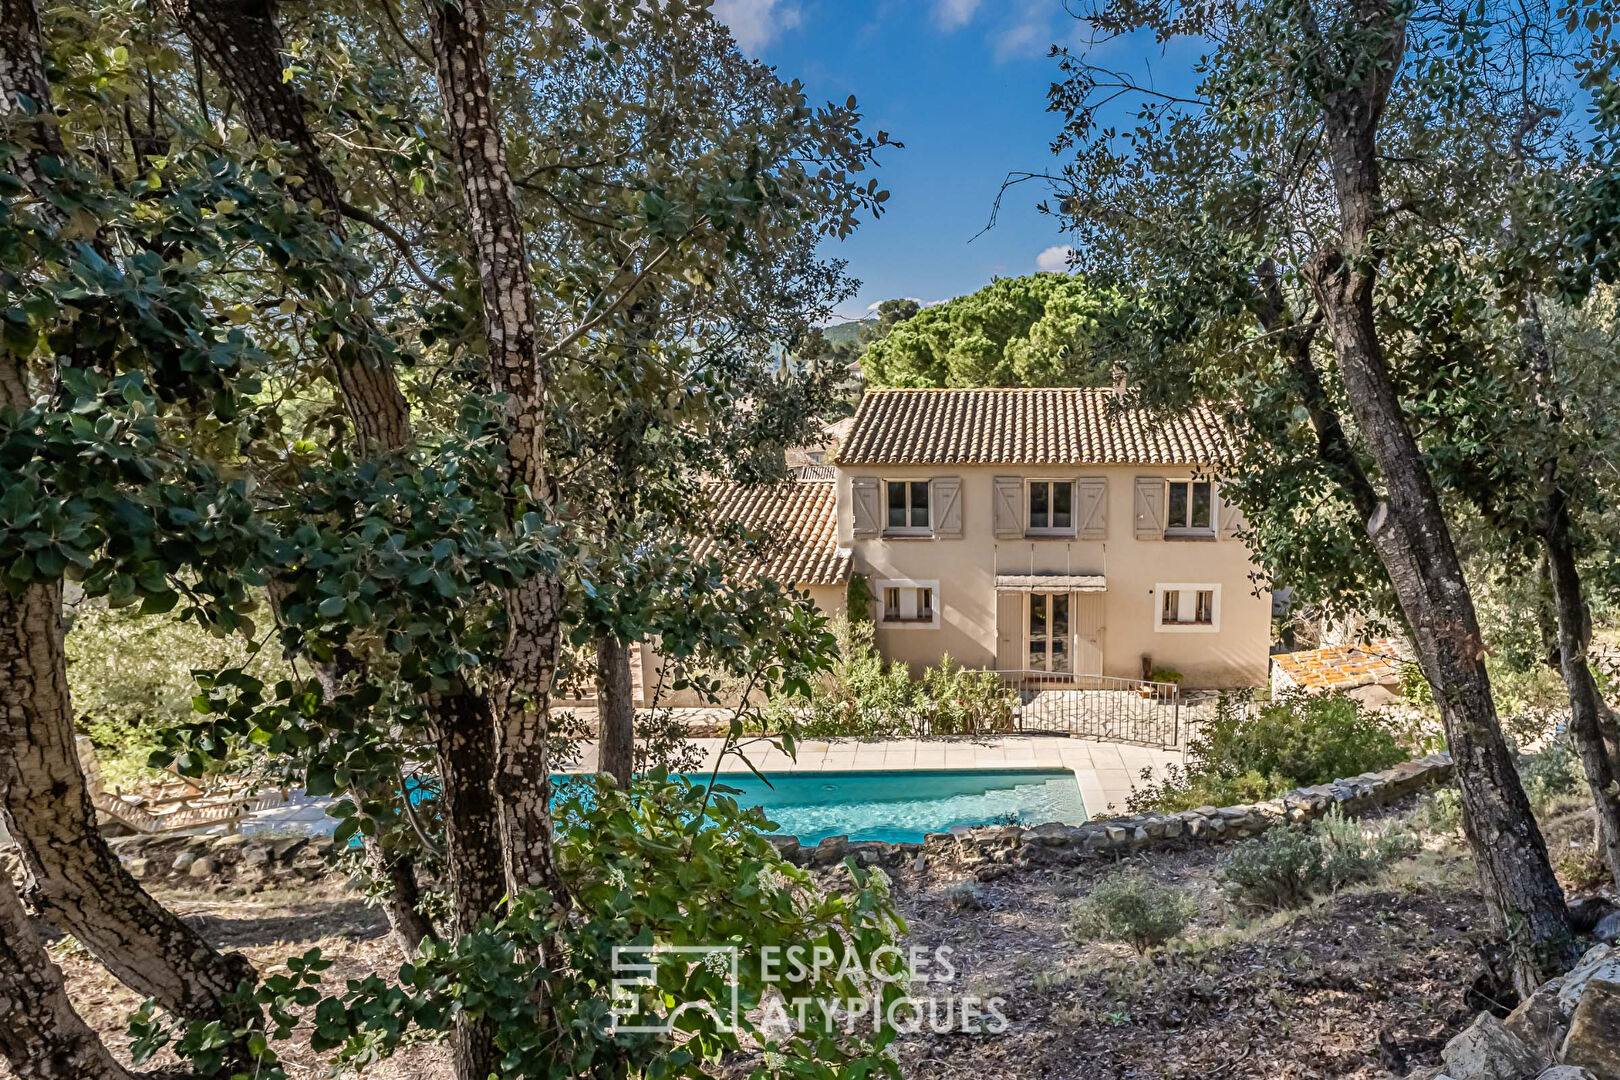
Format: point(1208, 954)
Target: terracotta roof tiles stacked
point(1341, 667)
point(801, 521)
point(1061, 426)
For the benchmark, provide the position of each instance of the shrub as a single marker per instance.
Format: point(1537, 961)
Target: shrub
point(1551, 774)
point(1131, 907)
point(1440, 811)
point(1289, 865)
point(1250, 752)
point(867, 697)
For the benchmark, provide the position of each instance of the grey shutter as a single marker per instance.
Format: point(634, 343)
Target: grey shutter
point(1091, 508)
point(1232, 519)
point(1150, 508)
point(947, 493)
point(1009, 506)
point(1009, 631)
point(863, 492)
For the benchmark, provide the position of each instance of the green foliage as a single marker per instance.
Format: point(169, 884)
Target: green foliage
point(1131, 907)
point(858, 599)
point(130, 680)
point(867, 697)
point(1253, 750)
point(664, 864)
point(1289, 865)
point(1551, 774)
point(1025, 331)
point(1440, 812)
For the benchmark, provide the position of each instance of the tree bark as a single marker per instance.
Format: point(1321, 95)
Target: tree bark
point(40, 1034)
point(1408, 529)
point(402, 901)
point(241, 41)
point(473, 850)
point(616, 710)
point(527, 663)
point(72, 876)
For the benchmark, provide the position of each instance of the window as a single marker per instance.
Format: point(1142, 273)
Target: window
point(909, 603)
point(908, 506)
point(1190, 508)
point(1051, 506)
point(1188, 607)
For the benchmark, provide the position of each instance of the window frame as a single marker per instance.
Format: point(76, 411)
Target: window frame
point(910, 507)
point(1188, 602)
point(1202, 532)
point(914, 588)
point(1051, 482)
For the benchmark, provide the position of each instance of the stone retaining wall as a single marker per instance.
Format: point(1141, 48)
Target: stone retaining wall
point(1002, 844)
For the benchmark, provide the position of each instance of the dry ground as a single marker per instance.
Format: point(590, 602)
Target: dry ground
point(1368, 984)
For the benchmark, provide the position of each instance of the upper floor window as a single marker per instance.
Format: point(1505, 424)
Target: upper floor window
point(1190, 508)
point(908, 509)
point(1051, 506)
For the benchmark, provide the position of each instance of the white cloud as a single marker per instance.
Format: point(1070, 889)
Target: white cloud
point(1055, 258)
point(757, 23)
point(953, 14)
point(1027, 34)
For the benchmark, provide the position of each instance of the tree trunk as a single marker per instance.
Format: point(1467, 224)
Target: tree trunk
point(74, 879)
point(473, 850)
point(616, 710)
point(241, 41)
point(40, 1034)
point(528, 661)
point(1409, 529)
point(1572, 619)
point(1585, 704)
point(402, 900)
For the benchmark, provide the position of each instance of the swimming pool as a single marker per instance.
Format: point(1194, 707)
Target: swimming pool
point(899, 806)
point(904, 806)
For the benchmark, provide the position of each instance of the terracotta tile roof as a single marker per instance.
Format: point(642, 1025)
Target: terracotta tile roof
point(1342, 667)
point(801, 521)
point(1063, 426)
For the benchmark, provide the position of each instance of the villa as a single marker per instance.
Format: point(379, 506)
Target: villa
point(1048, 532)
point(1043, 532)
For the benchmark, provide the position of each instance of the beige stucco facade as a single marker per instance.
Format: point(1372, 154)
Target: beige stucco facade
point(1114, 622)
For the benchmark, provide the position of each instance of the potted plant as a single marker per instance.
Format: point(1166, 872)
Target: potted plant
point(1158, 677)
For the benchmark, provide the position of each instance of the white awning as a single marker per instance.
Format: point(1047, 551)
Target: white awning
point(1051, 583)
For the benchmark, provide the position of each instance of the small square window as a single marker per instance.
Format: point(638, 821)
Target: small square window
point(909, 604)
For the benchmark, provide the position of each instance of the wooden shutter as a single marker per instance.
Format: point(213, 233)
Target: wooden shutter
point(1232, 519)
point(1150, 508)
point(1091, 508)
point(1009, 631)
point(863, 492)
point(1009, 506)
point(947, 497)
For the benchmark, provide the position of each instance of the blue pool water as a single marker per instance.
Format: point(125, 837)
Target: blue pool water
point(904, 806)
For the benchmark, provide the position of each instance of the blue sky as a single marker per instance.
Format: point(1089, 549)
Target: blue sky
point(963, 84)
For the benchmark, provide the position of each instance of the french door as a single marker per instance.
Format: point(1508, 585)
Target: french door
point(1051, 636)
